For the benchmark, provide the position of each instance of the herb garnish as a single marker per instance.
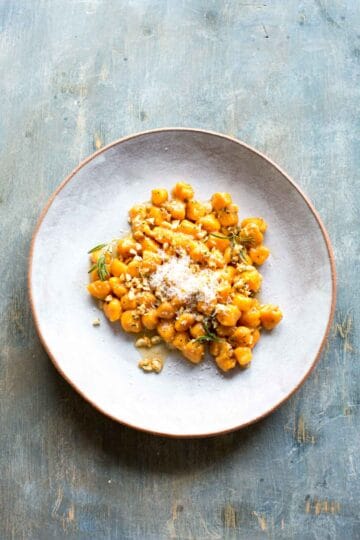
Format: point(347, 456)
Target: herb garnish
point(236, 238)
point(94, 267)
point(100, 264)
point(209, 336)
point(96, 248)
point(243, 256)
point(101, 268)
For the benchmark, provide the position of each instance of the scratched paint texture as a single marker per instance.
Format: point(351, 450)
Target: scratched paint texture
point(282, 76)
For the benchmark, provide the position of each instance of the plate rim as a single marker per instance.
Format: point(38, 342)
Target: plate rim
point(311, 207)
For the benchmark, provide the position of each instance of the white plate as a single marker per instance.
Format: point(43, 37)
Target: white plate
point(91, 206)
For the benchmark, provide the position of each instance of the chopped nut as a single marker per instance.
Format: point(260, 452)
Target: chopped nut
point(96, 322)
point(151, 220)
point(138, 246)
point(155, 340)
point(137, 258)
point(151, 364)
point(166, 245)
point(157, 365)
point(132, 251)
point(146, 366)
point(131, 294)
point(143, 342)
point(244, 267)
point(128, 277)
point(108, 298)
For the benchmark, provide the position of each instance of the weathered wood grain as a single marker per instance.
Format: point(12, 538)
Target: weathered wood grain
point(284, 77)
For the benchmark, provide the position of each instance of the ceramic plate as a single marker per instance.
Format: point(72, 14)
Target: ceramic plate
point(91, 206)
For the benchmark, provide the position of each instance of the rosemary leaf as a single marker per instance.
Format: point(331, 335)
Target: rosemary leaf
point(246, 240)
point(223, 237)
point(236, 238)
point(207, 337)
point(232, 237)
point(101, 268)
point(96, 248)
point(94, 267)
point(243, 256)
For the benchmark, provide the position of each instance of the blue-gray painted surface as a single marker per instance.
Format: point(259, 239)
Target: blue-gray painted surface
point(77, 74)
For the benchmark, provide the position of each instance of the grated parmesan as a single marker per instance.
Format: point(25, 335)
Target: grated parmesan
point(175, 279)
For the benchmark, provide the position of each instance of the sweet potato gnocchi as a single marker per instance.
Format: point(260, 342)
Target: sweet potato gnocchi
point(187, 274)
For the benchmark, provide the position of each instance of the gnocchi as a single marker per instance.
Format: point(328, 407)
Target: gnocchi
point(188, 275)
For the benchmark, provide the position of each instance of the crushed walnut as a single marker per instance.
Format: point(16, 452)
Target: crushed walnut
point(154, 364)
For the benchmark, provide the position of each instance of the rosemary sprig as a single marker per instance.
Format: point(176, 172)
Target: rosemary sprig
point(100, 264)
point(236, 238)
point(246, 240)
point(243, 256)
point(101, 267)
point(231, 237)
point(209, 336)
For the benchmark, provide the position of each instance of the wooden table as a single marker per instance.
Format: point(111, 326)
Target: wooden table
point(282, 76)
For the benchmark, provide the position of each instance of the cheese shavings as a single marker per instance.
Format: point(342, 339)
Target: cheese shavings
point(175, 279)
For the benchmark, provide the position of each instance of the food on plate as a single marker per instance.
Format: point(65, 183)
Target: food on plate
point(186, 275)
